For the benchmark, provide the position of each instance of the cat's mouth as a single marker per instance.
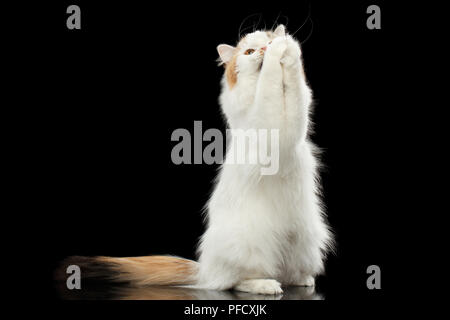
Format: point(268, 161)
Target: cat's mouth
point(261, 64)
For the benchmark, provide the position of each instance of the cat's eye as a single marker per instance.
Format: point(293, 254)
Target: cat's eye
point(249, 51)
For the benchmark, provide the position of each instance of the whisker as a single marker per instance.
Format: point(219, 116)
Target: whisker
point(310, 33)
point(276, 20)
point(242, 23)
point(307, 18)
point(287, 21)
point(257, 24)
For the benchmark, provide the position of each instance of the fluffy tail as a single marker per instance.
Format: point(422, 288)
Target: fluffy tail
point(137, 271)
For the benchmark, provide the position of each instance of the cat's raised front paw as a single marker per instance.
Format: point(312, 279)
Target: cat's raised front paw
point(292, 53)
point(277, 47)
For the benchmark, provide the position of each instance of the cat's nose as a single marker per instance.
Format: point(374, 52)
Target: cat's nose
point(263, 48)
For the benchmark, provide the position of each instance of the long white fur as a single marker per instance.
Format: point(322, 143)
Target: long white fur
point(266, 231)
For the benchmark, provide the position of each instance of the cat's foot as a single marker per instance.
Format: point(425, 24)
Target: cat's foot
point(277, 48)
point(292, 53)
point(305, 281)
point(260, 286)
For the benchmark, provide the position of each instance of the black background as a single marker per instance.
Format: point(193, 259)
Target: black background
point(106, 99)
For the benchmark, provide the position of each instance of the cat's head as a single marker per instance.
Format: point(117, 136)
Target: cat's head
point(247, 57)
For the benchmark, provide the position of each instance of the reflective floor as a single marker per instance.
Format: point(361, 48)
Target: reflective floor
point(173, 293)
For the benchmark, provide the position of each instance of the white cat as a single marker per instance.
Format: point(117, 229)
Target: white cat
point(263, 231)
point(266, 230)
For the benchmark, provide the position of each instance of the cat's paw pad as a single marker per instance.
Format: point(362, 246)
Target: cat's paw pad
point(306, 281)
point(260, 286)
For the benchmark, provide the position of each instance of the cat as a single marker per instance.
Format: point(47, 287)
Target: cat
point(263, 231)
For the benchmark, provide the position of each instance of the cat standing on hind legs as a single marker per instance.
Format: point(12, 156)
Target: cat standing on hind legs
point(263, 231)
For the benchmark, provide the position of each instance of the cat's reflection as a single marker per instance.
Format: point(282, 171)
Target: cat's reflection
point(177, 293)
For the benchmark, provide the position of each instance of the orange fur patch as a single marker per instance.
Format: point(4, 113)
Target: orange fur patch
point(231, 73)
point(153, 270)
point(230, 67)
point(156, 293)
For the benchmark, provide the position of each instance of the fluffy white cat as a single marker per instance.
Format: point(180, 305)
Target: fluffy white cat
point(263, 231)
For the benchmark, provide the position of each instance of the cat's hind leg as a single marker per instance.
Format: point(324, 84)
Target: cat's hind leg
point(304, 281)
point(259, 286)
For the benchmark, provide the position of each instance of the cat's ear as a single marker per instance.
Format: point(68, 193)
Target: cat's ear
point(226, 52)
point(280, 31)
